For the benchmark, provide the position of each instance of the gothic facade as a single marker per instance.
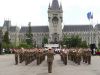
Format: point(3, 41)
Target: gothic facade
point(54, 31)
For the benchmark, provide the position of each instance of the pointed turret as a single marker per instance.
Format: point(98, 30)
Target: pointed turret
point(55, 5)
point(7, 24)
point(60, 6)
point(49, 6)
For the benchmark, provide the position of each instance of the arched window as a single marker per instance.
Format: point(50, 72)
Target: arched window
point(55, 20)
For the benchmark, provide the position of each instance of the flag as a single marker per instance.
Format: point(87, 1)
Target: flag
point(90, 15)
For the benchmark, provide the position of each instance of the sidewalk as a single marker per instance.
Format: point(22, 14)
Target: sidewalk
point(7, 67)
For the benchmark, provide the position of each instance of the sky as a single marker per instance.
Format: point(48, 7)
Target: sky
point(20, 12)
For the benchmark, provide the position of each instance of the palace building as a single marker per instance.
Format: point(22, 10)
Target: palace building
point(54, 31)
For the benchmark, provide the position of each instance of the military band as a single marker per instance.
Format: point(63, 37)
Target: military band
point(76, 55)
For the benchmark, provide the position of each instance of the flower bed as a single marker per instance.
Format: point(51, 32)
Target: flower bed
point(98, 53)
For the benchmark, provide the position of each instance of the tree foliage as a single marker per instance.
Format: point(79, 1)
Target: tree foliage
point(74, 41)
point(99, 44)
point(24, 45)
point(28, 43)
point(44, 41)
point(6, 40)
point(29, 35)
point(84, 44)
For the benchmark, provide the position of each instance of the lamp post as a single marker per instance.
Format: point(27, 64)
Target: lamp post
point(0, 48)
point(0, 42)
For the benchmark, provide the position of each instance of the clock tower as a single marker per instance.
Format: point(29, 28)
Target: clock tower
point(55, 18)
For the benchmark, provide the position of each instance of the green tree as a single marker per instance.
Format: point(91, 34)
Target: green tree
point(84, 44)
point(6, 38)
point(29, 35)
point(24, 45)
point(44, 41)
point(1, 37)
point(6, 41)
point(66, 41)
point(99, 44)
point(4, 45)
point(73, 41)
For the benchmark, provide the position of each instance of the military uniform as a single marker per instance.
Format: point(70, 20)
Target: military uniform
point(63, 55)
point(88, 57)
point(16, 57)
point(50, 58)
point(78, 58)
point(20, 56)
point(65, 58)
point(26, 57)
point(38, 57)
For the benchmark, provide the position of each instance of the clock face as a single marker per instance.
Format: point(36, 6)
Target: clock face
point(55, 20)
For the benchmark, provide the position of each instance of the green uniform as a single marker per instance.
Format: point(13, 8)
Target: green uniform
point(16, 58)
point(65, 58)
point(50, 58)
point(38, 54)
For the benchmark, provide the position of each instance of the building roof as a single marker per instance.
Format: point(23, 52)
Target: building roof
point(35, 29)
point(98, 26)
point(55, 5)
point(72, 28)
point(0, 28)
point(13, 29)
point(7, 23)
point(67, 28)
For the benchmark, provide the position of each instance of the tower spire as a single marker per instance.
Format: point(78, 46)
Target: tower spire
point(49, 6)
point(61, 6)
point(55, 5)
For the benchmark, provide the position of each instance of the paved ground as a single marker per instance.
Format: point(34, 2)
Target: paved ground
point(7, 67)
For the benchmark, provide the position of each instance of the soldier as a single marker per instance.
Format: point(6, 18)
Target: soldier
point(65, 57)
point(78, 56)
point(38, 56)
point(88, 56)
point(26, 57)
point(21, 55)
point(61, 54)
point(16, 57)
point(50, 58)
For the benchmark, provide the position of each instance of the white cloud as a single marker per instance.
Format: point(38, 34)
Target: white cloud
point(22, 11)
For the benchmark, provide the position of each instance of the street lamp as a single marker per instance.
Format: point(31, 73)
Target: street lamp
point(0, 42)
point(0, 47)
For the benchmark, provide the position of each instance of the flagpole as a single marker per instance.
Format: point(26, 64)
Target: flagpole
point(90, 18)
point(92, 23)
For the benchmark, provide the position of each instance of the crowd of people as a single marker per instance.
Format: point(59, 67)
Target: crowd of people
point(74, 54)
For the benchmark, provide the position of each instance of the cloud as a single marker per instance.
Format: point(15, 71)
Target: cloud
point(22, 11)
